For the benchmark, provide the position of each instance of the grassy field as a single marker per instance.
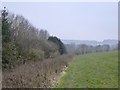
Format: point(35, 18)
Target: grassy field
point(97, 70)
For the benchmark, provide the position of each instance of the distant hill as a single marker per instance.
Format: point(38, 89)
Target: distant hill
point(110, 42)
point(91, 42)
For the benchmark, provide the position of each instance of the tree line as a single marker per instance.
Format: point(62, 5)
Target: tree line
point(84, 49)
point(22, 42)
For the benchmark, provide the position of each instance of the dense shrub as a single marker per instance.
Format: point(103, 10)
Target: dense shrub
point(39, 74)
point(9, 55)
point(36, 54)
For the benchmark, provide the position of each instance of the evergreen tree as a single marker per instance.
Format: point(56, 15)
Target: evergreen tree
point(59, 43)
point(5, 26)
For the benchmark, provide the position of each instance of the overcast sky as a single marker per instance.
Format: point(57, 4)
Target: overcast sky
point(77, 21)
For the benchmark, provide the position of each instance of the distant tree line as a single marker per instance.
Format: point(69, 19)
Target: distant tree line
point(84, 49)
point(22, 42)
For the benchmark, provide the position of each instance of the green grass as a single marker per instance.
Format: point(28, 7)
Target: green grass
point(97, 70)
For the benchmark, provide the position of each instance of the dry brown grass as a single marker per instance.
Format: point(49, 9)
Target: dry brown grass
point(35, 74)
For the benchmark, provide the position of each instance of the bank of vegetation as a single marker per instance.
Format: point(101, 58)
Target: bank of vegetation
point(30, 56)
